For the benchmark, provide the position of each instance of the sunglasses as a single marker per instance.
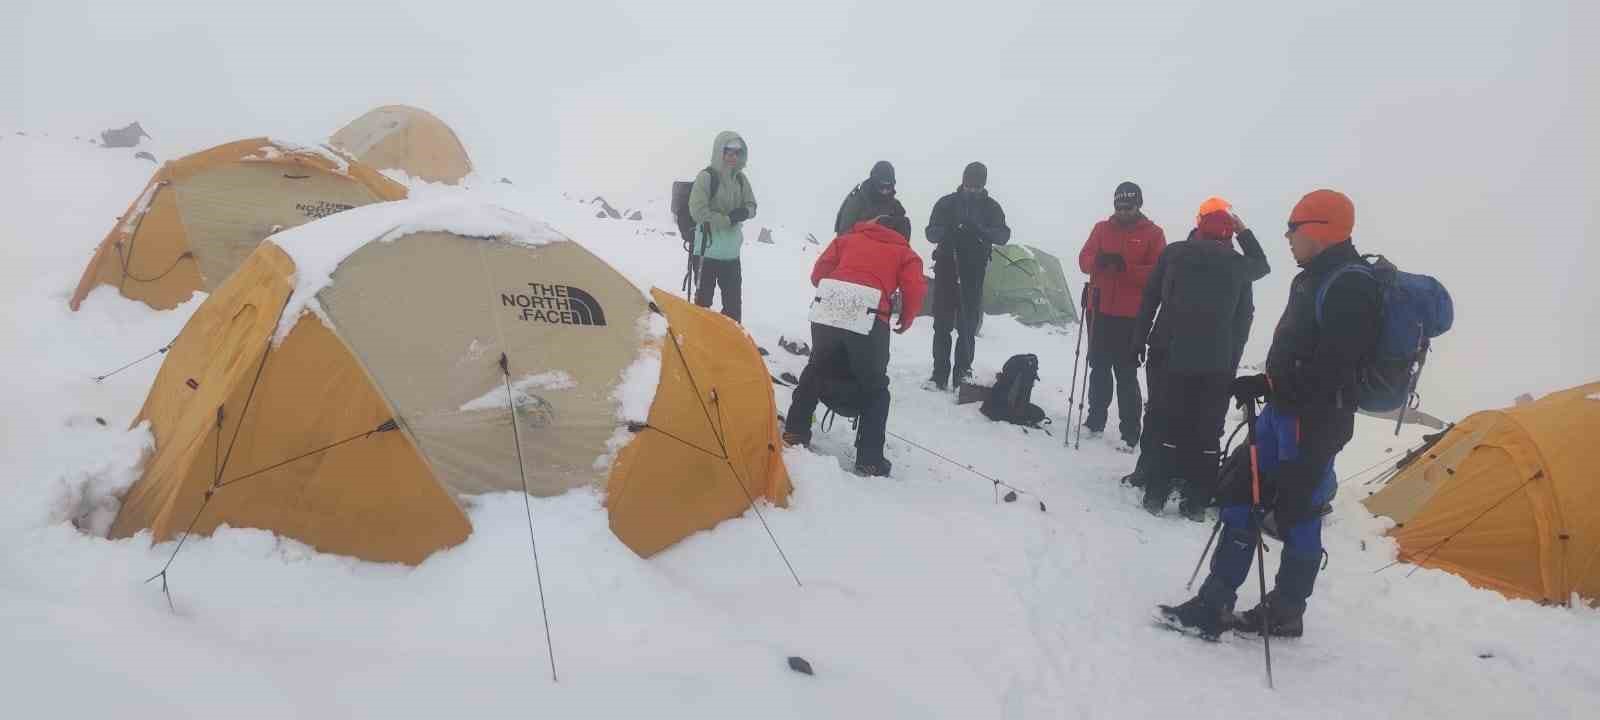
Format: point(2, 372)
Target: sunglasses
point(1293, 226)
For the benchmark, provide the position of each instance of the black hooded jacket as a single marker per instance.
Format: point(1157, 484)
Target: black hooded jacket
point(1201, 289)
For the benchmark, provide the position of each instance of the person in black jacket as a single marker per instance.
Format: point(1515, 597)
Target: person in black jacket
point(963, 226)
point(872, 198)
point(1309, 386)
point(1201, 288)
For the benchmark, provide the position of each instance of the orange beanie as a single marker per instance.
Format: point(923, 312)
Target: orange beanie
point(1328, 217)
point(1211, 205)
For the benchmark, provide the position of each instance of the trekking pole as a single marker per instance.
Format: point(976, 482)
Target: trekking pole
point(1258, 515)
point(1216, 527)
point(1072, 390)
point(1092, 310)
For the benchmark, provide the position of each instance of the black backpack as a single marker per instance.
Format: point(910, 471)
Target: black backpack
point(680, 207)
point(1011, 398)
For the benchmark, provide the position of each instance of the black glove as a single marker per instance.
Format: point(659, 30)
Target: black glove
point(1249, 388)
point(1110, 261)
point(738, 215)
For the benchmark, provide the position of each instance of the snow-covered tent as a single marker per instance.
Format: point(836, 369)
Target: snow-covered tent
point(356, 376)
point(412, 140)
point(201, 215)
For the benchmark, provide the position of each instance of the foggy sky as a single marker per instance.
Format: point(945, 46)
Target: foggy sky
point(1464, 133)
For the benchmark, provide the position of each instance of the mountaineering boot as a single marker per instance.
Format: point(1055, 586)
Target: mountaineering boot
point(1198, 617)
point(879, 468)
point(1134, 479)
point(1155, 499)
point(1284, 617)
point(791, 439)
point(1191, 510)
point(936, 383)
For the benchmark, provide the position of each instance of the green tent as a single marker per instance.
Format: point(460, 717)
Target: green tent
point(1025, 282)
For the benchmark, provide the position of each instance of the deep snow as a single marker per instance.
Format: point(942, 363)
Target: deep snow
point(923, 596)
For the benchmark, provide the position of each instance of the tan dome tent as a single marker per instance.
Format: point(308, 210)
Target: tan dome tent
point(344, 389)
point(202, 215)
point(1508, 499)
point(400, 137)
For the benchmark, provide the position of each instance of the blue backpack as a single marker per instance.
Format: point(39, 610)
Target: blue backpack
point(1412, 310)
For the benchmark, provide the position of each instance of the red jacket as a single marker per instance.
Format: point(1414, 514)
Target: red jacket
point(1140, 245)
point(875, 256)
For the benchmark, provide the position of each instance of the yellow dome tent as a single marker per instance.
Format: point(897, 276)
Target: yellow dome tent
point(1508, 499)
point(202, 215)
point(412, 140)
point(344, 388)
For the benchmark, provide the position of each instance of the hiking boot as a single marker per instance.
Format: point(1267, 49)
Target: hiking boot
point(1092, 433)
point(1192, 510)
point(791, 439)
point(1284, 619)
point(1196, 617)
point(1134, 479)
point(878, 468)
point(936, 384)
point(1155, 503)
point(1126, 448)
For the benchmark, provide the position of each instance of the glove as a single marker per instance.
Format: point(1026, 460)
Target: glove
point(1249, 388)
point(738, 215)
point(1110, 261)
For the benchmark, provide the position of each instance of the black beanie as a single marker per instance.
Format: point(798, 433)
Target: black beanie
point(976, 175)
point(898, 223)
point(882, 172)
point(1128, 195)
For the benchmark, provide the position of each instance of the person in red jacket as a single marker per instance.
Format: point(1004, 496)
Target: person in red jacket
point(848, 369)
point(1118, 257)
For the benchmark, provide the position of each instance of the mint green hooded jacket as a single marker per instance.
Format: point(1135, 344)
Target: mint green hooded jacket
point(733, 191)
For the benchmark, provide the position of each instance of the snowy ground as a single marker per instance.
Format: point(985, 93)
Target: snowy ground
point(922, 596)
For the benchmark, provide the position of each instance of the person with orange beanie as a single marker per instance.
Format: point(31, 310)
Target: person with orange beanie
point(1331, 321)
point(1201, 288)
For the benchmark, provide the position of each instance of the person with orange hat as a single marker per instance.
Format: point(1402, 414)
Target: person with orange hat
point(1201, 289)
point(1331, 321)
point(1118, 257)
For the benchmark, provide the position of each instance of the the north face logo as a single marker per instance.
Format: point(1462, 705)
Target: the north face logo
point(556, 305)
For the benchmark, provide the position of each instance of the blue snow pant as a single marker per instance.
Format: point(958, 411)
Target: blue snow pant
point(1295, 485)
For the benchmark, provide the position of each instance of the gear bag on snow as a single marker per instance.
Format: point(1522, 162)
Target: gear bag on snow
point(1412, 310)
point(1010, 399)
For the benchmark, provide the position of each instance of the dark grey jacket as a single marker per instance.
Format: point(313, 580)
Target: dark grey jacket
point(1202, 292)
point(864, 204)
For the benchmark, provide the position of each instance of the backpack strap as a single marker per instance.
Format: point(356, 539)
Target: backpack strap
point(1359, 266)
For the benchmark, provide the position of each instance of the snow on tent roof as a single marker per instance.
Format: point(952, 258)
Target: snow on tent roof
point(318, 248)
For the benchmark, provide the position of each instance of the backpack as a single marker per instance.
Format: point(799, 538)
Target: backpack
point(680, 207)
point(1412, 310)
point(1010, 399)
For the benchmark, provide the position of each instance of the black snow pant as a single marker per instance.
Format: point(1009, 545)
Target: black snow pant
point(958, 271)
point(1155, 381)
point(1187, 417)
point(846, 369)
point(1111, 355)
point(727, 274)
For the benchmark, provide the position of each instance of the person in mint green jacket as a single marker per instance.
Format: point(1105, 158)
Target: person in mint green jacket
point(719, 204)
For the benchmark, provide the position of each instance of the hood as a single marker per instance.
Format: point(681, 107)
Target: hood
point(723, 138)
point(879, 233)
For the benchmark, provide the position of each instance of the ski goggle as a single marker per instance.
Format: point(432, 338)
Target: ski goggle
point(732, 150)
point(1293, 225)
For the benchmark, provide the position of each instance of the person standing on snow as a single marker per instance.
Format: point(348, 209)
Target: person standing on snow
point(719, 203)
point(873, 197)
point(1118, 257)
point(851, 366)
point(1310, 389)
point(964, 225)
point(1201, 288)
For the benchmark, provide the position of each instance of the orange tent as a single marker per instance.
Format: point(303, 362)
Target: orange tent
point(412, 140)
point(1508, 499)
point(344, 389)
point(202, 215)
